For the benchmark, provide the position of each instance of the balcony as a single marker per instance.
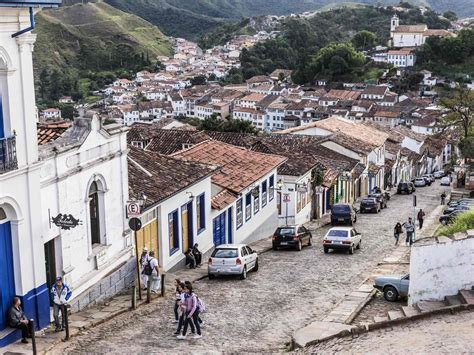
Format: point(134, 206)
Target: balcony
point(8, 159)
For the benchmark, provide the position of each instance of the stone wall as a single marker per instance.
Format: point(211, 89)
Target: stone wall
point(440, 267)
point(117, 281)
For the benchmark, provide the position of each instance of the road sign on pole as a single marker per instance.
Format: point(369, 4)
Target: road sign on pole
point(286, 198)
point(133, 209)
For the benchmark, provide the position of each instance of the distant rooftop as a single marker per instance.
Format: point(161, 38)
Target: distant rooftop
point(30, 3)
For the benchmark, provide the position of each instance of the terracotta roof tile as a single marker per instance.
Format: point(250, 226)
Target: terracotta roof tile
point(223, 199)
point(48, 132)
point(239, 167)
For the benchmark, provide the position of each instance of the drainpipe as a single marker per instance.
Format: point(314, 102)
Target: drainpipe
point(32, 25)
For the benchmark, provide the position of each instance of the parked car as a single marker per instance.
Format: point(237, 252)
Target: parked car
point(291, 237)
point(420, 182)
point(232, 259)
point(430, 176)
point(405, 188)
point(450, 217)
point(428, 179)
point(392, 287)
point(343, 213)
point(438, 174)
point(445, 181)
point(458, 208)
point(369, 204)
point(463, 201)
point(342, 238)
point(381, 200)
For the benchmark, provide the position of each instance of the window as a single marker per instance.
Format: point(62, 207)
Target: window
point(256, 201)
point(271, 184)
point(248, 206)
point(173, 231)
point(244, 251)
point(264, 193)
point(95, 213)
point(239, 213)
point(201, 213)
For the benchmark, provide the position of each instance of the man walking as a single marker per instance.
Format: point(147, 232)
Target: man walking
point(18, 320)
point(443, 198)
point(421, 218)
point(143, 262)
point(155, 272)
point(60, 295)
point(410, 229)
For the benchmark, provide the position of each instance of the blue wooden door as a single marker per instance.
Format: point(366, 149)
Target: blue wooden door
point(7, 281)
point(229, 226)
point(219, 229)
point(2, 130)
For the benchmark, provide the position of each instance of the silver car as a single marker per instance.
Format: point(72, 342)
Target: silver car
point(232, 259)
point(393, 287)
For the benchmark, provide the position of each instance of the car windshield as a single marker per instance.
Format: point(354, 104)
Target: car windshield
point(340, 208)
point(368, 200)
point(285, 231)
point(337, 233)
point(225, 253)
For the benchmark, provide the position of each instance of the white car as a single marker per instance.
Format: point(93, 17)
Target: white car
point(342, 238)
point(438, 174)
point(420, 182)
point(232, 259)
point(430, 177)
point(446, 181)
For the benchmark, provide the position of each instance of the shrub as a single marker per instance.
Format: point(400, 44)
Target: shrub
point(463, 222)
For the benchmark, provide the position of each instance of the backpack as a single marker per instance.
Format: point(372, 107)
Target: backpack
point(201, 305)
point(148, 268)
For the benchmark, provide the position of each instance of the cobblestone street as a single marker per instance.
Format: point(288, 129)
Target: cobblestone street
point(445, 334)
point(290, 290)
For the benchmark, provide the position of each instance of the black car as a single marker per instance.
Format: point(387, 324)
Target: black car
point(369, 204)
point(291, 237)
point(458, 208)
point(450, 217)
point(405, 188)
point(343, 214)
point(381, 199)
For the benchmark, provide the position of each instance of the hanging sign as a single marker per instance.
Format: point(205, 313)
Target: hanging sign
point(65, 221)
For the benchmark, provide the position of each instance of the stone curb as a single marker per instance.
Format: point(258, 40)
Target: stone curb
point(361, 329)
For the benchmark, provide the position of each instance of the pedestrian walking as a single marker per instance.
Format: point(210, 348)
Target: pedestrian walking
point(18, 320)
point(397, 231)
point(192, 314)
point(197, 255)
point(178, 292)
point(420, 217)
point(182, 310)
point(143, 263)
point(190, 260)
point(60, 295)
point(410, 229)
point(155, 272)
point(443, 198)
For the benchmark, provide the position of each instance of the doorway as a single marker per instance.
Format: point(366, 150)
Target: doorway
point(50, 262)
point(7, 279)
point(187, 226)
point(229, 226)
point(219, 229)
point(94, 213)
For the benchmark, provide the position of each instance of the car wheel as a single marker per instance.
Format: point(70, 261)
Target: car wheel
point(299, 246)
point(274, 248)
point(255, 268)
point(351, 250)
point(310, 241)
point(390, 294)
point(243, 276)
point(444, 222)
point(326, 250)
point(211, 276)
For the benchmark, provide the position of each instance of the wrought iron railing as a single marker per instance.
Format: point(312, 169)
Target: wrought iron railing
point(8, 159)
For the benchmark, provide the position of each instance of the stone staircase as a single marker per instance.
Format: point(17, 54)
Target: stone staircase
point(464, 297)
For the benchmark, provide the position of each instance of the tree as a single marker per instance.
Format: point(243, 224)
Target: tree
point(44, 84)
point(364, 40)
point(55, 90)
point(450, 15)
point(460, 104)
point(199, 80)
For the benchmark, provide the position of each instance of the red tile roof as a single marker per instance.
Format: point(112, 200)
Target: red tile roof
point(239, 167)
point(223, 199)
point(48, 132)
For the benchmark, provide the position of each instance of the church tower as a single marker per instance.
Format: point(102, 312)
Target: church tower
point(395, 22)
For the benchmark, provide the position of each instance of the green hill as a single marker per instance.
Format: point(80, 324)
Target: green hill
point(92, 42)
point(194, 18)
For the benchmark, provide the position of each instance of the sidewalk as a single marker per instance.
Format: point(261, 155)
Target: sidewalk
point(46, 339)
point(340, 318)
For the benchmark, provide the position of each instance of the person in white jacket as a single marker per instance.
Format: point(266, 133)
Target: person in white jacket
point(60, 295)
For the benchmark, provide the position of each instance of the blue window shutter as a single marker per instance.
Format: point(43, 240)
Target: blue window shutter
point(2, 132)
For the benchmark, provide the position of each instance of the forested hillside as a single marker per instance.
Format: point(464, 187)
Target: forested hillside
point(80, 47)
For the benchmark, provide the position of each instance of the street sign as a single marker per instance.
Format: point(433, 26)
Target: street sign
point(133, 209)
point(135, 224)
point(286, 198)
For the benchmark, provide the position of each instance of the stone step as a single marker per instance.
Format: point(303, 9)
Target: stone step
point(410, 311)
point(427, 306)
point(378, 319)
point(467, 296)
point(395, 315)
point(454, 300)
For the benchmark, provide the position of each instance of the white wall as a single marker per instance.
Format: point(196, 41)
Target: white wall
point(441, 269)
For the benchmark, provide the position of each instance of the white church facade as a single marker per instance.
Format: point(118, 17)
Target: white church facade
point(62, 204)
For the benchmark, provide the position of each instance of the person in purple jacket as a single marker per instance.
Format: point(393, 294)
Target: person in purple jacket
point(192, 313)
